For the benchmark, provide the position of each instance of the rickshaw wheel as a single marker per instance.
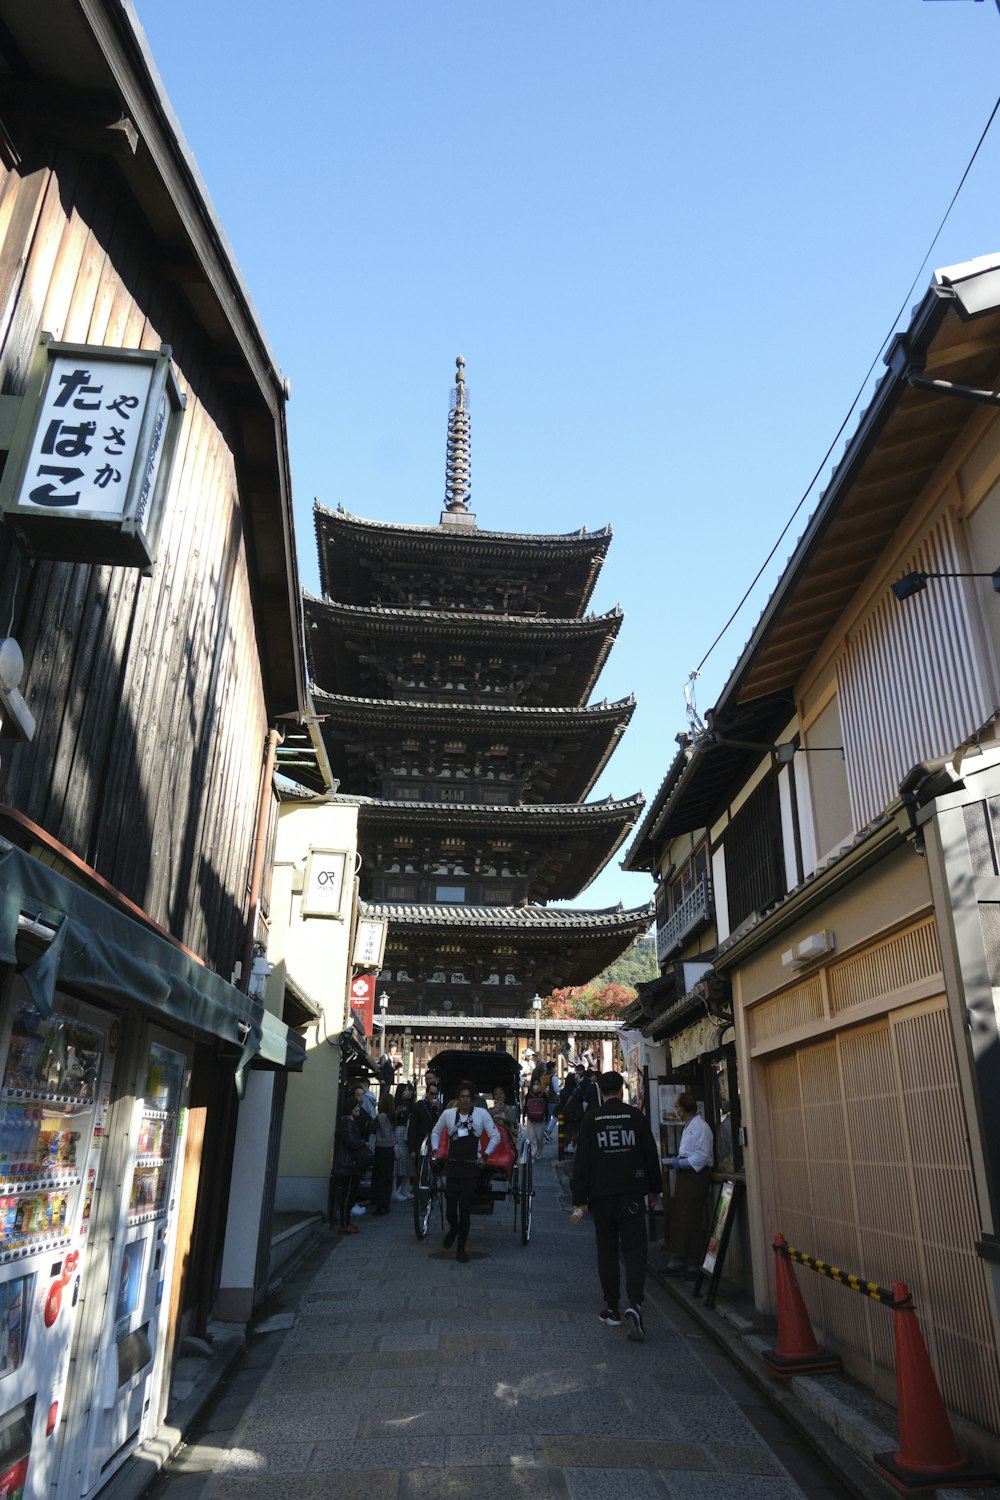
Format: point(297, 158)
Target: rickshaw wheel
point(527, 1192)
point(424, 1193)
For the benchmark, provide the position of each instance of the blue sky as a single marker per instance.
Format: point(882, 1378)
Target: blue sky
point(668, 236)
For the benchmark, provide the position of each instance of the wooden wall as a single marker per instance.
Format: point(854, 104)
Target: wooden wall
point(147, 692)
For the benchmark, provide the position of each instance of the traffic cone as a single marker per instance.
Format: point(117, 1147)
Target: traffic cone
point(927, 1455)
point(797, 1352)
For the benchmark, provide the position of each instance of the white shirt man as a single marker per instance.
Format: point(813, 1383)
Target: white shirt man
point(688, 1210)
point(697, 1148)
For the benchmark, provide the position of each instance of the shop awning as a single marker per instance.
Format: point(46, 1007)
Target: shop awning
point(100, 950)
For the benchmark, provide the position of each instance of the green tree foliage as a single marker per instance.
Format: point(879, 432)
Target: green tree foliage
point(635, 966)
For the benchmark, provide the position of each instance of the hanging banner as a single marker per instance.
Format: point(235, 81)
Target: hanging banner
point(363, 1001)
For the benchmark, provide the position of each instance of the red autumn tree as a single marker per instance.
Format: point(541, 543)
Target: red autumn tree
point(589, 1002)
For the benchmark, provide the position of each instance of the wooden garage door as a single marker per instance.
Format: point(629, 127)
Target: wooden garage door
point(869, 1169)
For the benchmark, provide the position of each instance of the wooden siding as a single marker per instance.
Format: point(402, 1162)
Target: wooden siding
point(147, 692)
point(916, 678)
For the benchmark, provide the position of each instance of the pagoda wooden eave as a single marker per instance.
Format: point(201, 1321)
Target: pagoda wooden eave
point(346, 542)
point(579, 839)
point(553, 947)
point(337, 634)
point(575, 743)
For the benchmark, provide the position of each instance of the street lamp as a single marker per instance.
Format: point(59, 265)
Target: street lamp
point(383, 1005)
point(536, 1006)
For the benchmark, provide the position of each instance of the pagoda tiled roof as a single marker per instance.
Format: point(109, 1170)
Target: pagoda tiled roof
point(471, 814)
point(522, 720)
point(586, 834)
point(548, 946)
point(524, 921)
point(594, 731)
point(330, 625)
point(583, 550)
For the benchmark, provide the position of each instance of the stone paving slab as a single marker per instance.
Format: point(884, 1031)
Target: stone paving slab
point(614, 1453)
point(612, 1484)
point(483, 1482)
point(408, 1452)
point(374, 1485)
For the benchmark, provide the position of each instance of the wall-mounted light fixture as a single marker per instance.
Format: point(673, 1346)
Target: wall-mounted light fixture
point(915, 583)
point(782, 754)
point(808, 950)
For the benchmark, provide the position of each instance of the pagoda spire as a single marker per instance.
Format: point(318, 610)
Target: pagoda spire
point(458, 458)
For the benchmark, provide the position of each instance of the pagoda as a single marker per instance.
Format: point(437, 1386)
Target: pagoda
point(454, 668)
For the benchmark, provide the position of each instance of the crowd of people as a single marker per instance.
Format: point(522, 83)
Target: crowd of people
point(616, 1163)
point(381, 1134)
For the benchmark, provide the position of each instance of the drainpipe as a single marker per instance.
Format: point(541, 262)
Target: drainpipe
point(275, 737)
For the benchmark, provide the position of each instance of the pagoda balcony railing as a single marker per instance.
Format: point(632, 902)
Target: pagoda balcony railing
point(695, 909)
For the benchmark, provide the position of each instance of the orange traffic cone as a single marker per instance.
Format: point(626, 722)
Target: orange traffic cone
point(797, 1352)
point(927, 1455)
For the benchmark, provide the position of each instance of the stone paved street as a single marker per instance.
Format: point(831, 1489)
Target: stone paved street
point(407, 1376)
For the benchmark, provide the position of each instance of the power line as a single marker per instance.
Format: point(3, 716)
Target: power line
point(823, 461)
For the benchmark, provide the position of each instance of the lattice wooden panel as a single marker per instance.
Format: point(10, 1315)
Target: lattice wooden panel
point(788, 1011)
point(902, 960)
point(957, 1304)
point(869, 1169)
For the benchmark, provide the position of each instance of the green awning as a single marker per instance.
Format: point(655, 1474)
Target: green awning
point(101, 950)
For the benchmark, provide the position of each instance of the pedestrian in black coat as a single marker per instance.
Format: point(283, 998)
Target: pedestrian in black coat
point(350, 1158)
point(617, 1165)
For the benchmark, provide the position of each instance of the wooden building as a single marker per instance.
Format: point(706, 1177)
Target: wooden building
point(134, 824)
point(847, 783)
point(453, 667)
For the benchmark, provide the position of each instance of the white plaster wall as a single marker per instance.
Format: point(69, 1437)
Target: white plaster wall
point(314, 953)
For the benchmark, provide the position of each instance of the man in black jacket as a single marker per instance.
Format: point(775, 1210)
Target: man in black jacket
point(617, 1164)
point(424, 1117)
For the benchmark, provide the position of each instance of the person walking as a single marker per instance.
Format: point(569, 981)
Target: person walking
point(423, 1117)
point(689, 1205)
point(617, 1165)
point(562, 1108)
point(536, 1117)
point(464, 1125)
point(385, 1156)
point(350, 1158)
point(404, 1103)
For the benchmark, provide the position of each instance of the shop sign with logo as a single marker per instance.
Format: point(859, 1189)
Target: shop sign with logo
point(323, 887)
point(89, 466)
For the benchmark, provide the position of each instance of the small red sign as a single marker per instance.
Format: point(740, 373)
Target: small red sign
point(363, 1001)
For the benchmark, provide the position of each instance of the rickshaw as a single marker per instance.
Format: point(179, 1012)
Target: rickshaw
point(510, 1178)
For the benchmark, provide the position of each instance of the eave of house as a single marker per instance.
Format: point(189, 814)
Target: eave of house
point(900, 442)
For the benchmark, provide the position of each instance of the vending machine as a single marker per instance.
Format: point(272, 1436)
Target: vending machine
point(54, 1090)
point(130, 1363)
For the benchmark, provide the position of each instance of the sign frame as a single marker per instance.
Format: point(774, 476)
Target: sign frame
point(335, 860)
point(723, 1218)
point(369, 943)
point(127, 531)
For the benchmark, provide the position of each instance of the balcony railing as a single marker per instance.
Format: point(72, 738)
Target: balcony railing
point(693, 910)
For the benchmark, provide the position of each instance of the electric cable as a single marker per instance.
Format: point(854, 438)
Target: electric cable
point(861, 389)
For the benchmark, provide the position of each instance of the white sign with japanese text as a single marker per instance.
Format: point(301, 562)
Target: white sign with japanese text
point(369, 945)
point(87, 437)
